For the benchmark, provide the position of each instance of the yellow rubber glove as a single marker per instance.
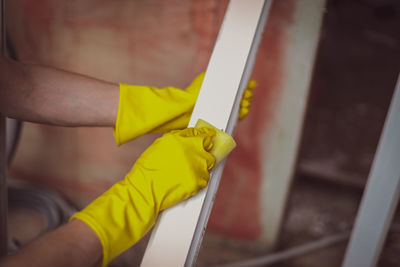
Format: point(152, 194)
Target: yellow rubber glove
point(175, 167)
point(145, 109)
point(246, 99)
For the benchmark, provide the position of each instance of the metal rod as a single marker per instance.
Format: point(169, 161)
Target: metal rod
point(381, 194)
point(290, 253)
point(3, 186)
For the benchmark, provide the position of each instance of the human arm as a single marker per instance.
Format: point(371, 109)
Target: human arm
point(47, 95)
point(74, 244)
point(175, 167)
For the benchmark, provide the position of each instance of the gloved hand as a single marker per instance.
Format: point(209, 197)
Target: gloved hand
point(175, 167)
point(246, 99)
point(145, 109)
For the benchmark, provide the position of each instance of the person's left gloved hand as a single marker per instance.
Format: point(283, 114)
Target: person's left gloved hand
point(145, 109)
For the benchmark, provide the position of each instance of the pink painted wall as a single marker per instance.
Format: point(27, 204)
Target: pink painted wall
point(237, 209)
point(153, 42)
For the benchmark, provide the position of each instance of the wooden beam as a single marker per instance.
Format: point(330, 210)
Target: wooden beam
point(177, 236)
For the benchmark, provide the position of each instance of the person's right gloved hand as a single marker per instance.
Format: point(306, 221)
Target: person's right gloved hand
point(175, 167)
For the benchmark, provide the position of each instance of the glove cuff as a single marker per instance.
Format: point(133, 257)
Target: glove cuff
point(144, 109)
point(116, 130)
point(120, 216)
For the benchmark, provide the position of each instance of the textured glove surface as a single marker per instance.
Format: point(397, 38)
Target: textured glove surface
point(175, 167)
point(145, 109)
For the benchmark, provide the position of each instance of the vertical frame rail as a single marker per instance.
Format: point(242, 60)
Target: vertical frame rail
point(381, 194)
point(3, 160)
point(233, 118)
point(178, 233)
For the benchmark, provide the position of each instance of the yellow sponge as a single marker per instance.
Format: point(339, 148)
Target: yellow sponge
point(223, 142)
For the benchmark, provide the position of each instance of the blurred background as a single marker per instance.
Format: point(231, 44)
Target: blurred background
point(326, 71)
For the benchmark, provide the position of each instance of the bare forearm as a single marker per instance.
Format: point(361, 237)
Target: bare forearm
point(74, 245)
point(52, 96)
